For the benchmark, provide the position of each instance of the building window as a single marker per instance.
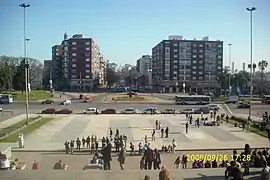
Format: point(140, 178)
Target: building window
point(194, 62)
point(175, 45)
point(200, 56)
point(194, 78)
point(73, 60)
point(175, 50)
point(194, 45)
point(219, 46)
point(56, 54)
point(87, 49)
point(87, 54)
point(74, 43)
point(219, 57)
point(194, 67)
point(73, 54)
point(73, 70)
point(200, 72)
point(200, 45)
point(201, 51)
point(219, 67)
point(74, 48)
point(194, 72)
point(200, 67)
point(175, 56)
point(87, 65)
point(87, 59)
point(200, 62)
point(87, 71)
point(175, 61)
point(87, 43)
point(73, 65)
point(73, 76)
point(194, 50)
point(200, 78)
point(194, 56)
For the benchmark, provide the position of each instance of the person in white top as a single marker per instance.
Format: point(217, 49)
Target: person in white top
point(4, 162)
point(173, 145)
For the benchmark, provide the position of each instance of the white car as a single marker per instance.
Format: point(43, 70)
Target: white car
point(130, 111)
point(1, 108)
point(151, 109)
point(91, 111)
point(187, 111)
point(66, 102)
point(214, 107)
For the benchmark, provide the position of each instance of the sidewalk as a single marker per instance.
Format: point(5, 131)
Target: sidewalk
point(14, 120)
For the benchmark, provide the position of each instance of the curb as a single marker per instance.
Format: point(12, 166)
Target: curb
point(179, 150)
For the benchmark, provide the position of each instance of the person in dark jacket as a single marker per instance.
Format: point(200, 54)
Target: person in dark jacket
point(157, 159)
point(148, 154)
point(106, 155)
point(245, 159)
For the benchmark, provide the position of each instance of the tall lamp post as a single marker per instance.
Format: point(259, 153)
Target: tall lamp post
point(250, 10)
point(28, 69)
point(230, 66)
point(26, 65)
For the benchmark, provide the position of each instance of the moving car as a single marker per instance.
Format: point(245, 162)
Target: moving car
point(187, 111)
point(167, 111)
point(88, 99)
point(151, 109)
point(214, 107)
point(232, 100)
point(108, 111)
point(66, 102)
point(64, 111)
point(48, 111)
point(48, 101)
point(131, 93)
point(130, 111)
point(204, 110)
point(242, 104)
point(91, 111)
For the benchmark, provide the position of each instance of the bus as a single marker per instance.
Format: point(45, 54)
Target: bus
point(266, 99)
point(192, 100)
point(6, 98)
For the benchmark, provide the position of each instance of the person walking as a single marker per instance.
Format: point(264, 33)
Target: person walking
point(122, 158)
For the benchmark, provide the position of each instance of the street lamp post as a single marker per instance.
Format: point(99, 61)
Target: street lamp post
point(26, 65)
point(251, 61)
point(230, 66)
point(28, 69)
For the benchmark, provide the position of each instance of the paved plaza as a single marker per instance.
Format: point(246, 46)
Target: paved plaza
point(68, 127)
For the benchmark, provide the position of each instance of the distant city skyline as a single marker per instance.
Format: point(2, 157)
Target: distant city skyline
point(125, 32)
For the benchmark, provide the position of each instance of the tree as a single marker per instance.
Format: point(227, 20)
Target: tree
point(223, 79)
point(112, 77)
point(35, 68)
point(262, 66)
point(241, 80)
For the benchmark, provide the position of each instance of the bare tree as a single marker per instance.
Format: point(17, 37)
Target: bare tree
point(35, 70)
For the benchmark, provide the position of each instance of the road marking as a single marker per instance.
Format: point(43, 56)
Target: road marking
point(228, 108)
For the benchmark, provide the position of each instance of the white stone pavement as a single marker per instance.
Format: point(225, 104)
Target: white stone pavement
point(53, 135)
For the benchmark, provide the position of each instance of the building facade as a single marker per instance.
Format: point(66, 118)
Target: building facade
point(187, 65)
point(57, 75)
point(80, 63)
point(144, 66)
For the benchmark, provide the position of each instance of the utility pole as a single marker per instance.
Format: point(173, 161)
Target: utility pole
point(28, 69)
point(26, 65)
point(251, 58)
point(230, 72)
point(80, 82)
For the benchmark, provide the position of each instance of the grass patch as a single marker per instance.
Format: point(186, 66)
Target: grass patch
point(34, 95)
point(251, 129)
point(25, 130)
point(126, 98)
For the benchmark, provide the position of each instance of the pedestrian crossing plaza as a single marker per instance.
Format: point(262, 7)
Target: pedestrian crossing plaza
point(70, 127)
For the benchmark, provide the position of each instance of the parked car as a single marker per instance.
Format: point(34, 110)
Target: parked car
point(48, 101)
point(187, 111)
point(91, 111)
point(66, 102)
point(48, 111)
point(64, 111)
point(108, 111)
point(242, 104)
point(88, 99)
point(167, 111)
point(131, 93)
point(130, 111)
point(151, 109)
point(214, 107)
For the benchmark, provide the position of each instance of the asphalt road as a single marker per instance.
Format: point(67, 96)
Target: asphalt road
point(256, 110)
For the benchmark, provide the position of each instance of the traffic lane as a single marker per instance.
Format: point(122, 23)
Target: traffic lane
point(77, 107)
point(256, 110)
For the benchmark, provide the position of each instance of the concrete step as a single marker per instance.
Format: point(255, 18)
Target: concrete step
point(175, 174)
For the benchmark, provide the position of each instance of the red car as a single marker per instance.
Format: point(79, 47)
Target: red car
point(64, 111)
point(48, 111)
point(86, 100)
point(108, 111)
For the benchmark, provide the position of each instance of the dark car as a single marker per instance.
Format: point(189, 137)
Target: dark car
point(167, 111)
point(49, 101)
point(64, 111)
point(48, 111)
point(108, 111)
point(131, 93)
point(204, 110)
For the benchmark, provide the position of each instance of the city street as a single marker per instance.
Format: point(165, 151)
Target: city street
point(256, 110)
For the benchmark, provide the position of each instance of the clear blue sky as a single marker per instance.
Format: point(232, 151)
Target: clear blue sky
point(126, 29)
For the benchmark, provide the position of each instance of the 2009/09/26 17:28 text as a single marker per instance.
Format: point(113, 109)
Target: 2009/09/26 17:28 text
point(217, 157)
